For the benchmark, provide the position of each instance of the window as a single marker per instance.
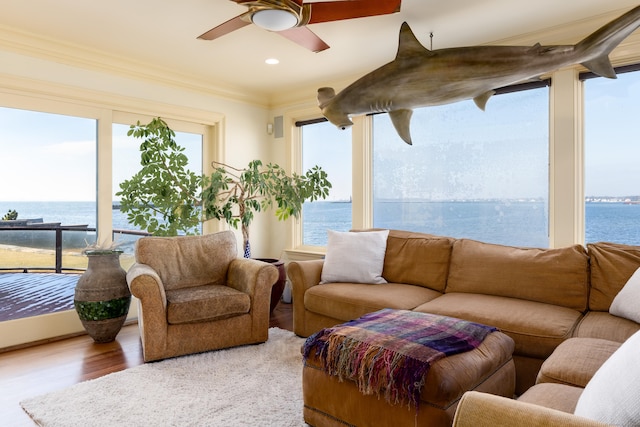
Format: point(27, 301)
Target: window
point(48, 171)
point(330, 148)
point(612, 155)
point(57, 158)
point(469, 173)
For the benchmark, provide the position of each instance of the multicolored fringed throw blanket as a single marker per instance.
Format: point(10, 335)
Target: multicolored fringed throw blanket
point(389, 352)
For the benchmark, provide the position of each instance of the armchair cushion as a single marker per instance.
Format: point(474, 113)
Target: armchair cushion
point(186, 261)
point(203, 303)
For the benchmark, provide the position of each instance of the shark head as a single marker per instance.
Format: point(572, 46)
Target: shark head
point(331, 110)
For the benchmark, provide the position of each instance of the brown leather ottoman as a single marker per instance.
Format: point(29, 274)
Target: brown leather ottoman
point(487, 368)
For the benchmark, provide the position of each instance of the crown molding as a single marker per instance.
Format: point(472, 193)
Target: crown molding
point(16, 89)
point(32, 45)
point(29, 44)
point(567, 34)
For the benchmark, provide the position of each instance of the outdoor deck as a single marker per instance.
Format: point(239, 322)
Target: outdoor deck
point(31, 294)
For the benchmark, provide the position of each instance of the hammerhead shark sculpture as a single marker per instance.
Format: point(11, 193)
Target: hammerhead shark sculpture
point(419, 77)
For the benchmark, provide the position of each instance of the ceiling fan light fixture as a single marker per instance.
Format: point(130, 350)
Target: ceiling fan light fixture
point(274, 19)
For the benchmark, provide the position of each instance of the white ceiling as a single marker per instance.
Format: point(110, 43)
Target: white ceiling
point(161, 35)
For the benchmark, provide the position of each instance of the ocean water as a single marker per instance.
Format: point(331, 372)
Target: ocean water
point(508, 223)
point(518, 223)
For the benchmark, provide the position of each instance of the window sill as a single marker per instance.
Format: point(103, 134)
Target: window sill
point(304, 253)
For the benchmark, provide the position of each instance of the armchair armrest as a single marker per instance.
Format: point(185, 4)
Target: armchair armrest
point(255, 278)
point(478, 409)
point(251, 276)
point(145, 284)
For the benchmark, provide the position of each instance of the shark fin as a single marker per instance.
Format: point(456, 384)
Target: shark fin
point(408, 44)
point(601, 66)
point(401, 120)
point(325, 94)
point(535, 48)
point(481, 100)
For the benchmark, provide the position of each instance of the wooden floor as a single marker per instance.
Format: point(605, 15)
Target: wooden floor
point(32, 294)
point(38, 370)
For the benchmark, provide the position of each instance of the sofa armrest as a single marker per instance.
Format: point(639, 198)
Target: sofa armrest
point(303, 275)
point(477, 409)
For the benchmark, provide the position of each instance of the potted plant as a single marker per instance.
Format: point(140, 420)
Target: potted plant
point(166, 198)
point(11, 215)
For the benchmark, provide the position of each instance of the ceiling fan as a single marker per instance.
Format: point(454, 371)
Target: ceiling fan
point(290, 17)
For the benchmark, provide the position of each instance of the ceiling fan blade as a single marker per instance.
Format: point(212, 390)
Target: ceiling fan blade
point(226, 27)
point(349, 9)
point(305, 38)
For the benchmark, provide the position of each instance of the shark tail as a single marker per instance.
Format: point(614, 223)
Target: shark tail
point(599, 45)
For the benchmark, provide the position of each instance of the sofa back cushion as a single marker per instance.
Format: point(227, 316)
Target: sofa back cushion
point(186, 261)
point(417, 259)
point(553, 276)
point(612, 264)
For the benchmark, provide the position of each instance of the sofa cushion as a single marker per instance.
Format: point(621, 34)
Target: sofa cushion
point(553, 276)
point(626, 303)
point(417, 259)
point(602, 324)
point(612, 264)
point(346, 301)
point(560, 397)
point(205, 303)
point(355, 257)
point(576, 360)
point(536, 328)
point(185, 261)
point(613, 394)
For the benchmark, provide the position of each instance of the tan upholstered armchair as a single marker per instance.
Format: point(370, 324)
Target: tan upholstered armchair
point(195, 294)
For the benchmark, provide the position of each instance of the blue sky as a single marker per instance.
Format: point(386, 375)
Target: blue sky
point(50, 157)
point(46, 156)
point(612, 134)
point(326, 146)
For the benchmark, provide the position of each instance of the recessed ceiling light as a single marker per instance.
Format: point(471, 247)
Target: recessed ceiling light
point(271, 61)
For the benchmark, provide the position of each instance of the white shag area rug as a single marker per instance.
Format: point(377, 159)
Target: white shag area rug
point(253, 385)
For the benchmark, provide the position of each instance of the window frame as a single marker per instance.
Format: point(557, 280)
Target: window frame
point(566, 166)
point(104, 107)
point(583, 78)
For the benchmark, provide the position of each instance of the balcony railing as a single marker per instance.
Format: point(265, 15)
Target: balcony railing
point(48, 236)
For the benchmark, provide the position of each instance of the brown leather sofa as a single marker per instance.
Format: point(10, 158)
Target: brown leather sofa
point(538, 297)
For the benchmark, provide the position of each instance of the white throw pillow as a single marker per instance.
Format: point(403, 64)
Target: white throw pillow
point(355, 257)
point(612, 395)
point(627, 303)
